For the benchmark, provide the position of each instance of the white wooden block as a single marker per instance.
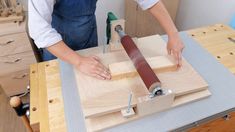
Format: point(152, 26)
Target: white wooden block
point(128, 114)
point(148, 106)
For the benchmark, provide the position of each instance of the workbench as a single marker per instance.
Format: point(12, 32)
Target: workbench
point(47, 111)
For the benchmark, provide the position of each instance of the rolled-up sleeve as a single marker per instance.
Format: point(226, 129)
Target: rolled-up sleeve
point(146, 4)
point(39, 23)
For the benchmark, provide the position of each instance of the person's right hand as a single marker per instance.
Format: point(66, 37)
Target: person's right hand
point(92, 66)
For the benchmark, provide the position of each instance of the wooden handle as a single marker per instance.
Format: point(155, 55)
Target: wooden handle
point(6, 43)
point(20, 76)
point(13, 61)
point(17, 104)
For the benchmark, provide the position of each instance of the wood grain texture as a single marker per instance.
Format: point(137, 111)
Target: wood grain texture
point(16, 62)
point(12, 28)
point(55, 101)
point(34, 98)
point(114, 119)
point(43, 103)
point(14, 43)
point(46, 101)
point(15, 83)
point(101, 97)
point(218, 125)
point(126, 69)
point(11, 18)
point(215, 39)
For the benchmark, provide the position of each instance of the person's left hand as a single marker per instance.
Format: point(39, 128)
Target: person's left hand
point(175, 47)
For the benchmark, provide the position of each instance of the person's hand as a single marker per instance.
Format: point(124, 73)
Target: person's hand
point(175, 47)
point(92, 66)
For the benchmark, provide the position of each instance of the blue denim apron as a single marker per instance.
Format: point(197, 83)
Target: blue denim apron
point(76, 22)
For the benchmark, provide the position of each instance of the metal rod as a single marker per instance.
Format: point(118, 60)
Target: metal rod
point(129, 103)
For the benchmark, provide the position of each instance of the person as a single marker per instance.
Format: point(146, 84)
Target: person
point(60, 27)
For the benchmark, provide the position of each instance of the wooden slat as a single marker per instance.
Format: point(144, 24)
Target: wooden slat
point(34, 98)
point(55, 98)
point(43, 102)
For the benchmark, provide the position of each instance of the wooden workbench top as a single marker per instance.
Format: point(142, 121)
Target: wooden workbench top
point(46, 101)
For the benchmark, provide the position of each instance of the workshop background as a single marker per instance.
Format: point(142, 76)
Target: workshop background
point(187, 15)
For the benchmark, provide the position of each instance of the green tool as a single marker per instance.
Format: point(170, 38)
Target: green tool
point(111, 17)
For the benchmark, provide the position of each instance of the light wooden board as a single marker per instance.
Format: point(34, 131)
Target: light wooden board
point(34, 101)
point(101, 97)
point(116, 118)
point(46, 101)
point(43, 104)
point(54, 101)
point(159, 64)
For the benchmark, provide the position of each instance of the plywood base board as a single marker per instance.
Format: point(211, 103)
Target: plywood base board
point(99, 97)
point(102, 100)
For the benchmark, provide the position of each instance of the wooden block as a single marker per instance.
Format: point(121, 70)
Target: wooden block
point(114, 35)
point(128, 114)
point(126, 69)
point(19, 10)
point(148, 106)
point(115, 43)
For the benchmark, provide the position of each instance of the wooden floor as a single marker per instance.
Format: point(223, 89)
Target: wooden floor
point(9, 122)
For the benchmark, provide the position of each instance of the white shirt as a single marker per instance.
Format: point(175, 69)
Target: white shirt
point(40, 18)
